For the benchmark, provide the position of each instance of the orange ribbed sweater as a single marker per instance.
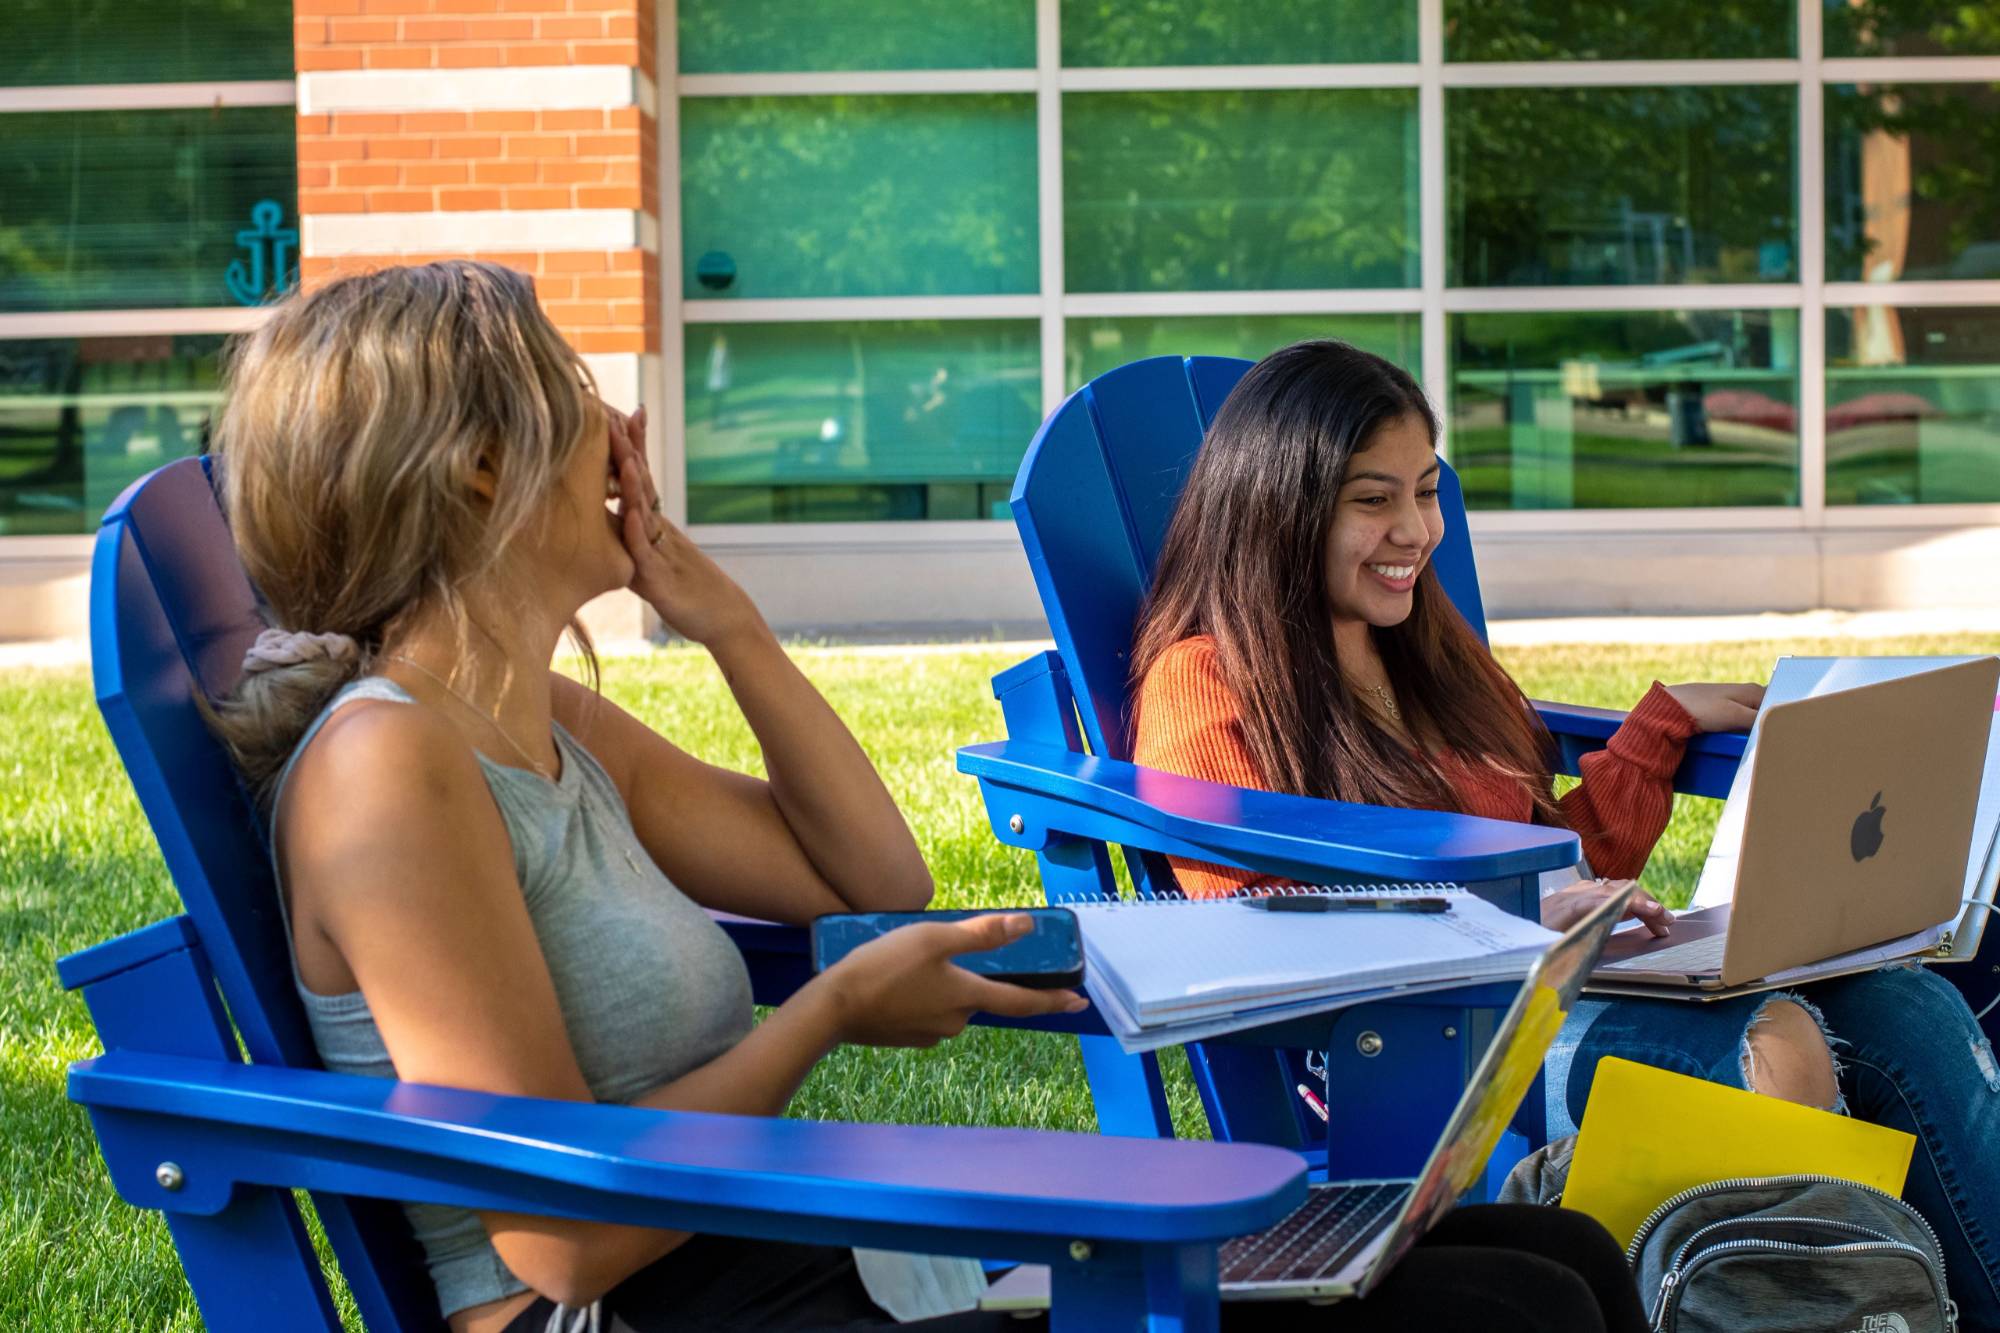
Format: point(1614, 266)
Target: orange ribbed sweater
point(1187, 721)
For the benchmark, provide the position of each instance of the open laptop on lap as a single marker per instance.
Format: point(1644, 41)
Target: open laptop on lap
point(1347, 1236)
point(1859, 826)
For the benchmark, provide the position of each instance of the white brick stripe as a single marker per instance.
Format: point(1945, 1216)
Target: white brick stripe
point(525, 88)
point(331, 234)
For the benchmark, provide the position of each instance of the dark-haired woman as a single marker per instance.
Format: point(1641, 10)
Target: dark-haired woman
point(1297, 640)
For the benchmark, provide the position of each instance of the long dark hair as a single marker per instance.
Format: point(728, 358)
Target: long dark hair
point(1244, 562)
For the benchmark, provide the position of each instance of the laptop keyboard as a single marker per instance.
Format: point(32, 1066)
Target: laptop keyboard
point(1317, 1238)
point(1694, 957)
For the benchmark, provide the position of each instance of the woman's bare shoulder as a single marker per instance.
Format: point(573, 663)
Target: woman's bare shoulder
point(380, 771)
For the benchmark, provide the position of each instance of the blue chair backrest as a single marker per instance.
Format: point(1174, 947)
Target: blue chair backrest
point(1092, 500)
point(171, 611)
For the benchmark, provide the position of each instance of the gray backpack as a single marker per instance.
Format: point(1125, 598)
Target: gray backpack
point(1790, 1253)
point(1780, 1254)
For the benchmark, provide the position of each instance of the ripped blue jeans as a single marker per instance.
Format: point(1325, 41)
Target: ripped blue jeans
point(1909, 1055)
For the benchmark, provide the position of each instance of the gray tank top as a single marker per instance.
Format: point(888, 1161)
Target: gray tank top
point(649, 986)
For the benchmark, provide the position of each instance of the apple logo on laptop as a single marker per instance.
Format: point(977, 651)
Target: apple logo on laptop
point(1866, 839)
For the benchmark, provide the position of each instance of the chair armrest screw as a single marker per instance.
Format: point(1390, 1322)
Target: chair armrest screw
point(1369, 1043)
point(1079, 1250)
point(1016, 824)
point(170, 1176)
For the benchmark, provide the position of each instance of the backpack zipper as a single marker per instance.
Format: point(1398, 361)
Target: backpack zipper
point(1654, 1218)
point(1671, 1283)
point(1831, 1224)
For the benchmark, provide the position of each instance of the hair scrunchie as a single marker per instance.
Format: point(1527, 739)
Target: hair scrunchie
point(279, 648)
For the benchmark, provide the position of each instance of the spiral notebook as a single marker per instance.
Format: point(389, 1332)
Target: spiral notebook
point(1168, 970)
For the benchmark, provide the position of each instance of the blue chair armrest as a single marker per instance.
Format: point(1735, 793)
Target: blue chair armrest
point(1057, 792)
point(942, 1190)
point(1706, 770)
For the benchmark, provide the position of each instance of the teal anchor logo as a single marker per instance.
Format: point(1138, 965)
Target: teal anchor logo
point(251, 286)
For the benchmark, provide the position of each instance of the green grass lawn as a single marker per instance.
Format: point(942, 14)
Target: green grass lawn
point(77, 866)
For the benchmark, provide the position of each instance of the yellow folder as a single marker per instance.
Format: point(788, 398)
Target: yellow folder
point(1648, 1134)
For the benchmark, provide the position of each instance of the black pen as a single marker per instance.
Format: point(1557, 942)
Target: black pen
point(1342, 902)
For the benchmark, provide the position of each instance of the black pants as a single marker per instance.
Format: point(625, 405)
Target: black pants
point(1498, 1269)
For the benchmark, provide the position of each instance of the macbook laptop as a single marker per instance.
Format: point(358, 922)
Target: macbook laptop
point(1858, 829)
point(1347, 1236)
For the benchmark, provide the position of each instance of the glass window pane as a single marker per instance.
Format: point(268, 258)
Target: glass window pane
point(1637, 30)
point(858, 196)
point(1913, 406)
point(1912, 181)
point(1234, 191)
point(83, 418)
point(731, 36)
point(892, 420)
point(1641, 410)
point(1093, 346)
point(159, 41)
point(128, 209)
point(1552, 187)
point(1911, 28)
point(1272, 32)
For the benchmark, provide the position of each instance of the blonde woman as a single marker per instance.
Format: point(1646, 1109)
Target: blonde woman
point(495, 878)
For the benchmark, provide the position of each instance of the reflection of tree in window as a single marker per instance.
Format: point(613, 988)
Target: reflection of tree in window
point(1237, 191)
point(737, 36)
point(1202, 32)
point(861, 196)
point(1910, 28)
point(1611, 30)
point(1621, 185)
point(1913, 181)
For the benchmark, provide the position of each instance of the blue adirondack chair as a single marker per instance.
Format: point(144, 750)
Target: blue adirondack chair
point(217, 1144)
point(1092, 501)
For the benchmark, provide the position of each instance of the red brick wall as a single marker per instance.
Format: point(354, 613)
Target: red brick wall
point(602, 300)
point(467, 34)
point(491, 160)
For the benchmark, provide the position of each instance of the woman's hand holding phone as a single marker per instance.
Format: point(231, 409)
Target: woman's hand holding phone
point(903, 988)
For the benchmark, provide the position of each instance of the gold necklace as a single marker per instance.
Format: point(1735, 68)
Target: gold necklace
point(488, 718)
point(1388, 701)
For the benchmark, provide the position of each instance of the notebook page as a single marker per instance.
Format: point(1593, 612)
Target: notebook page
point(1170, 958)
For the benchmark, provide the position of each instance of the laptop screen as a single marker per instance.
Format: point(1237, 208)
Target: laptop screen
point(1505, 1073)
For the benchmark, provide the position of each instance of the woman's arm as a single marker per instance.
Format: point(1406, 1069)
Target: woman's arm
point(399, 863)
point(821, 833)
point(1622, 805)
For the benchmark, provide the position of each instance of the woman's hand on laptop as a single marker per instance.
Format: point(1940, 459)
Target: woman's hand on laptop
point(1720, 707)
point(1565, 907)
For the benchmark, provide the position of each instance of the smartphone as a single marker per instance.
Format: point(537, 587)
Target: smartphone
point(1049, 957)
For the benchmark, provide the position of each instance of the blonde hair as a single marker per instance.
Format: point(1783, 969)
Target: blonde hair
point(355, 420)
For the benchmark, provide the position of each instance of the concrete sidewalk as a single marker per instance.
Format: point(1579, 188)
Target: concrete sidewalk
point(1859, 626)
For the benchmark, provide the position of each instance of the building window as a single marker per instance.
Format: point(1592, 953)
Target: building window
point(126, 210)
point(83, 418)
point(1913, 405)
point(730, 36)
point(1272, 32)
point(1912, 182)
point(910, 419)
point(858, 196)
point(1666, 409)
point(67, 42)
point(1636, 30)
point(1606, 279)
point(1615, 186)
point(1240, 191)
